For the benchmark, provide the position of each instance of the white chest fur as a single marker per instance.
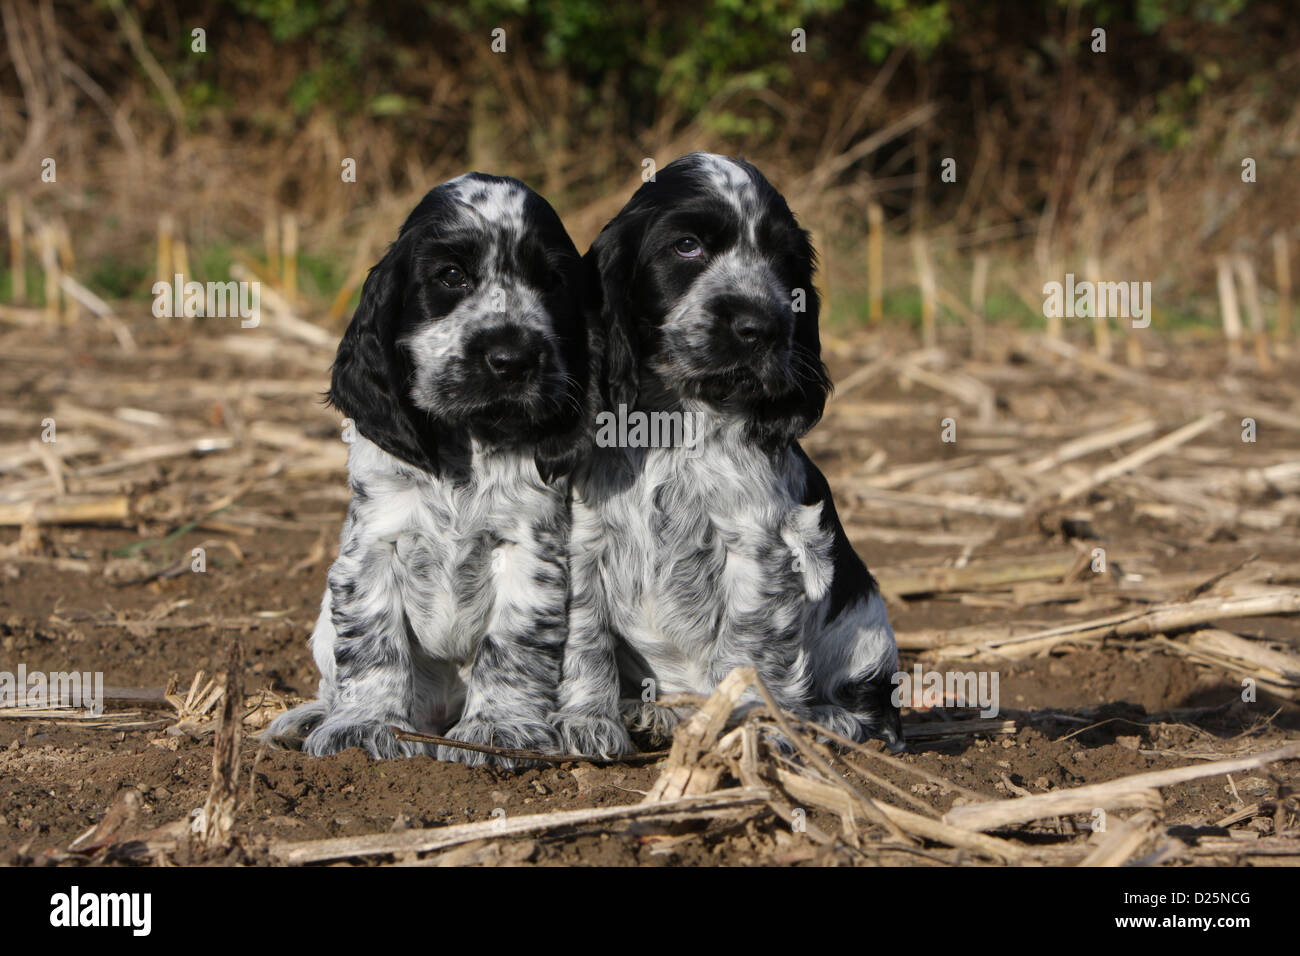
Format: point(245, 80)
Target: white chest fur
point(702, 544)
point(451, 541)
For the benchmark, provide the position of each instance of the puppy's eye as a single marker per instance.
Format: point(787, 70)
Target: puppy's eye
point(453, 277)
point(688, 247)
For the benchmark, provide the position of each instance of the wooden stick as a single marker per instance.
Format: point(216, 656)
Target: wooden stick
point(1274, 671)
point(121, 816)
point(898, 793)
point(1055, 323)
point(1122, 840)
point(970, 504)
point(906, 474)
point(1263, 848)
point(959, 728)
point(1089, 361)
point(356, 274)
point(942, 832)
point(14, 456)
point(289, 243)
point(1097, 441)
point(874, 811)
point(271, 235)
point(181, 263)
point(925, 280)
point(875, 262)
point(687, 772)
point(50, 263)
point(518, 754)
point(979, 303)
point(1124, 792)
point(74, 290)
point(861, 376)
point(745, 768)
point(963, 387)
point(996, 573)
point(1254, 312)
point(436, 838)
point(17, 251)
point(74, 509)
point(1140, 457)
point(63, 241)
point(1100, 323)
point(121, 462)
point(343, 297)
point(284, 321)
point(218, 815)
point(1282, 268)
point(817, 793)
point(1133, 353)
point(165, 272)
point(1254, 656)
point(1164, 618)
point(1228, 307)
point(881, 756)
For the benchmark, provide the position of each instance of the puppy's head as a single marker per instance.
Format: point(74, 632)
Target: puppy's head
point(471, 324)
point(706, 284)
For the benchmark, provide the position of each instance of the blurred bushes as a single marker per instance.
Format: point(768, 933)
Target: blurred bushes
point(1044, 131)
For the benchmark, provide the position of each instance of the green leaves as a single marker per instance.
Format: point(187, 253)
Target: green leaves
point(917, 26)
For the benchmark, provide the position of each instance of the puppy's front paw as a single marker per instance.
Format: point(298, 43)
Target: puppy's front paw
point(535, 735)
point(651, 723)
point(871, 704)
point(592, 736)
point(290, 729)
point(837, 719)
point(334, 735)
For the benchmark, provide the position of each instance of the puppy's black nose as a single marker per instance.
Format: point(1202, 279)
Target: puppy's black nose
point(755, 328)
point(509, 363)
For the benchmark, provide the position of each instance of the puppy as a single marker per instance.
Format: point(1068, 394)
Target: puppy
point(463, 373)
point(689, 562)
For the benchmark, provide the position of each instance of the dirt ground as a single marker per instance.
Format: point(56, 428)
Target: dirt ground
point(266, 502)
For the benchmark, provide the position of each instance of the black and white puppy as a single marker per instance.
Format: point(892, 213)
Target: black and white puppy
point(690, 561)
point(464, 372)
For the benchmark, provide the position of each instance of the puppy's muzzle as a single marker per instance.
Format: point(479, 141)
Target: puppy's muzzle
point(510, 356)
point(756, 329)
point(753, 325)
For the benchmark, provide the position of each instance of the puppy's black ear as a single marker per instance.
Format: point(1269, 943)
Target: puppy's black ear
point(615, 346)
point(789, 417)
point(371, 373)
point(557, 455)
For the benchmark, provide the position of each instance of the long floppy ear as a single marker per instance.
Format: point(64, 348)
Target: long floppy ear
point(568, 439)
point(371, 372)
point(557, 455)
point(789, 417)
point(615, 344)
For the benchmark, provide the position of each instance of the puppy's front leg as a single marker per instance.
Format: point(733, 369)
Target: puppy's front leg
point(372, 687)
point(588, 717)
point(763, 622)
point(512, 682)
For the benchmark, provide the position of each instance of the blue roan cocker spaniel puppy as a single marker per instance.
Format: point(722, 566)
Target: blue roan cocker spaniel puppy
point(689, 562)
point(464, 372)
